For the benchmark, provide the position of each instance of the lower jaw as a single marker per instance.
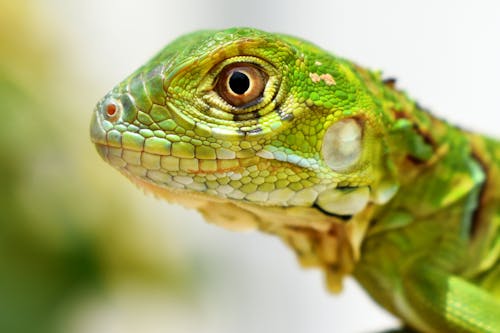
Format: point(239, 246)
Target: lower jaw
point(165, 174)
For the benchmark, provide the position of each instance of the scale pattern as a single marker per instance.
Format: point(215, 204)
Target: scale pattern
point(349, 171)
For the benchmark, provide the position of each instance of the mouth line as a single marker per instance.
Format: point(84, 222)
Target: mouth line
point(122, 158)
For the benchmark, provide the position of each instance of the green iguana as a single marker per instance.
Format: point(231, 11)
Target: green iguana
point(267, 131)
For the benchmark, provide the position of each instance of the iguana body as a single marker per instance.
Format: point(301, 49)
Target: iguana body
point(260, 130)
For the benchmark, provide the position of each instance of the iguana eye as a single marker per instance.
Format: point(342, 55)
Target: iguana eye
point(240, 84)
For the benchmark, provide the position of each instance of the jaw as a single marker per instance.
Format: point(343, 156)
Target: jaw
point(319, 238)
point(251, 178)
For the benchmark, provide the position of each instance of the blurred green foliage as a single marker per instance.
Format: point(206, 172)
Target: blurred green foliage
point(64, 232)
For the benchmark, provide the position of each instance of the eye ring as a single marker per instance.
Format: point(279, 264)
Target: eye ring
point(241, 84)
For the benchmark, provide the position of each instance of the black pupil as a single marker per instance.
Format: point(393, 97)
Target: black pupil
point(239, 82)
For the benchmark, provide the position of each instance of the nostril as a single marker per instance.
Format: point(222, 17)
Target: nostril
point(111, 109)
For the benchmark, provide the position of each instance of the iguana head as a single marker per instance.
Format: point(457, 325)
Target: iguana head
point(259, 123)
point(249, 116)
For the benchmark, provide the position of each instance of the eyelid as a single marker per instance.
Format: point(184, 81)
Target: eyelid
point(214, 106)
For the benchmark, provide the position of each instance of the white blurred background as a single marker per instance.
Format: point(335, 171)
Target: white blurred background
point(446, 54)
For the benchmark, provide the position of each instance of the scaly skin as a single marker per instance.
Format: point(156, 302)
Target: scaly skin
point(347, 170)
